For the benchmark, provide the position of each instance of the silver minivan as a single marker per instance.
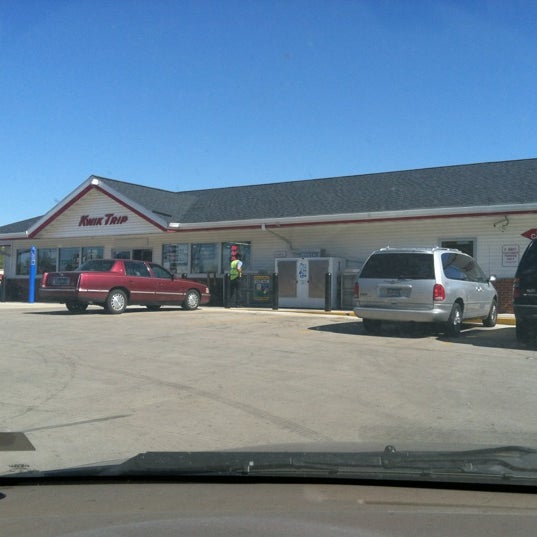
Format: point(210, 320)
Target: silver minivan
point(424, 285)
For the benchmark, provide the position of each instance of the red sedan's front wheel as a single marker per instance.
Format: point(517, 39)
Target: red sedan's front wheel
point(192, 300)
point(116, 301)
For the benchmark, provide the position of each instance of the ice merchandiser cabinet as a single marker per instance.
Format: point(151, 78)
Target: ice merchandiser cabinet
point(302, 280)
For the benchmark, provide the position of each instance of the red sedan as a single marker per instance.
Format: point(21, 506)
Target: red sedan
point(116, 283)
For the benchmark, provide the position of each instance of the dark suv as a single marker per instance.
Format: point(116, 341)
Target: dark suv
point(525, 295)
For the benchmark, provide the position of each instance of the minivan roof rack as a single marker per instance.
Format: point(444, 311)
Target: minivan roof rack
point(418, 248)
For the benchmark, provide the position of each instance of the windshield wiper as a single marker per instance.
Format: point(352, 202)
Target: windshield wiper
point(508, 464)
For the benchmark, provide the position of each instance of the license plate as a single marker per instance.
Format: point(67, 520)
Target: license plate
point(60, 280)
point(393, 292)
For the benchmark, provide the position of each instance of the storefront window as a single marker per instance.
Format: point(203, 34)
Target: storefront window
point(121, 254)
point(69, 258)
point(204, 258)
point(244, 248)
point(144, 254)
point(175, 258)
point(92, 252)
point(23, 262)
point(47, 260)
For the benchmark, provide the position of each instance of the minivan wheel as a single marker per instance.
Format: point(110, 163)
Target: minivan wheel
point(492, 317)
point(372, 325)
point(453, 326)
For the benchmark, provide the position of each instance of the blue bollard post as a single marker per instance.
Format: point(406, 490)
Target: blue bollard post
point(33, 270)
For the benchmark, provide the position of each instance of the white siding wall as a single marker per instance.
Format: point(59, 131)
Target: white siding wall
point(353, 242)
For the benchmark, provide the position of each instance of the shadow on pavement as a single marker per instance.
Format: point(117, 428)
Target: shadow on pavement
point(500, 337)
point(405, 330)
point(102, 311)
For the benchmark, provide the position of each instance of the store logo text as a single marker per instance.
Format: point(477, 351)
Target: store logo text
point(109, 219)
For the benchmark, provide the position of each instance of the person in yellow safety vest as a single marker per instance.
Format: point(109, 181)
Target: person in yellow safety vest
point(235, 277)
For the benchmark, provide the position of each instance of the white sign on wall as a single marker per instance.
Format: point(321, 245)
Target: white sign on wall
point(510, 255)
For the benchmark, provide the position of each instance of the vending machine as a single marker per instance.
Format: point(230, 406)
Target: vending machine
point(302, 281)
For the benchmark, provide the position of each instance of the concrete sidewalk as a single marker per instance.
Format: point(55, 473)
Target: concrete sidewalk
point(503, 318)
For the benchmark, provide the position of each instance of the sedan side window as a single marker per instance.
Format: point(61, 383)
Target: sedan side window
point(160, 272)
point(135, 268)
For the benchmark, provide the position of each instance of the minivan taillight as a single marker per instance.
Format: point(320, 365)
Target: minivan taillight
point(356, 292)
point(439, 293)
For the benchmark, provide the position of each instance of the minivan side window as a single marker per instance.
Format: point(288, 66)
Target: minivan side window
point(462, 267)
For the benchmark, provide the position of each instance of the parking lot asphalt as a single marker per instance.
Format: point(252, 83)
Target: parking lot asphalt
point(503, 318)
point(93, 387)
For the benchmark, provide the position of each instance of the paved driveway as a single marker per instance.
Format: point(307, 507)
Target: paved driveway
point(93, 387)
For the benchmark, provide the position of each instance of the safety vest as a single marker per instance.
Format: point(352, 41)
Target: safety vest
point(234, 272)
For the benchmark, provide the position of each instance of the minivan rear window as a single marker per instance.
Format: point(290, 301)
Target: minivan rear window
point(409, 266)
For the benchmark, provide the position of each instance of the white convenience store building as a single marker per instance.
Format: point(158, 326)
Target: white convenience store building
point(486, 209)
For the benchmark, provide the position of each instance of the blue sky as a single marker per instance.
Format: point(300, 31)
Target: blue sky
point(184, 95)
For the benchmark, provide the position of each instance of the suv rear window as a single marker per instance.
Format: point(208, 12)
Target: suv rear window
point(409, 266)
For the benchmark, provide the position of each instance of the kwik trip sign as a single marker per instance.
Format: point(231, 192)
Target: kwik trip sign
point(109, 219)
